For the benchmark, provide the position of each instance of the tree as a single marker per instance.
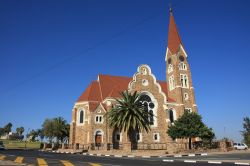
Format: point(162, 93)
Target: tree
point(7, 128)
point(189, 125)
point(40, 133)
point(19, 130)
point(2, 131)
point(246, 132)
point(32, 135)
point(60, 128)
point(55, 128)
point(207, 135)
point(129, 115)
point(48, 129)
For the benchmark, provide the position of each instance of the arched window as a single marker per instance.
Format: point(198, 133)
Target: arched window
point(171, 83)
point(151, 118)
point(81, 116)
point(170, 68)
point(118, 136)
point(182, 66)
point(149, 106)
point(184, 81)
point(171, 115)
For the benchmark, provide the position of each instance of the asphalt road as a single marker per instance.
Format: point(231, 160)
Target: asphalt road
point(35, 157)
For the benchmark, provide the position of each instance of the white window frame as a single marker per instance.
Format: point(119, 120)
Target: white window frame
point(78, 116)
point(182, 66)
point(170, 68)
point(186, 96)
point(174, 115)
point(184, 80)
point(140, 136)
point(158, 137)
point(99, 121)
point(171, 83)
point(188, 109)
point(154, 109)
point(118, 133)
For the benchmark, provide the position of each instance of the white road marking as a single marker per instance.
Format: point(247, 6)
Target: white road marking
point(189, 161)
point(168, 160)
point(177, 155)
point(203, 154)
point(191, 155)
point(214, 162)
point(117, 155)
point(242, 163)
point(131, 156)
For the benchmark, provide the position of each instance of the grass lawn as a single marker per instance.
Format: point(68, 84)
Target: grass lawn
point(10, 144)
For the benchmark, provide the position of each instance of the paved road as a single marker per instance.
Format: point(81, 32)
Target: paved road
point(54, 159)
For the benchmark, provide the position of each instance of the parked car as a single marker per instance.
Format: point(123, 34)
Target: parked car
point(240, 146)
point(2, 145)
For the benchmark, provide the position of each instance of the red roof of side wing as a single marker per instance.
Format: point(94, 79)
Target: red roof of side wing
point(111, 86)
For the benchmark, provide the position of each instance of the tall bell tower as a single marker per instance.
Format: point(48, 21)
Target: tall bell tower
point(179, 79)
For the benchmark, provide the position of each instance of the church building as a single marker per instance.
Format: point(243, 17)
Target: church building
point(167, 100)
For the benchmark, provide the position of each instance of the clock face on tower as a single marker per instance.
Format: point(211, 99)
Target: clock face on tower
point(181, 58)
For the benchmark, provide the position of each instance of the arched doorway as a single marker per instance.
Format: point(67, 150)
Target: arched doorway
point(98, 138)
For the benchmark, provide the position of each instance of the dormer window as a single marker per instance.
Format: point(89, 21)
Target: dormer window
point(182, 66)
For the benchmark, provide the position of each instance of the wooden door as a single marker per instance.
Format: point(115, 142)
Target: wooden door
point(98, 139)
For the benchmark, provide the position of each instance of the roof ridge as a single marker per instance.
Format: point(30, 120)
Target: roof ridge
point(100, 89)
point(108, 75)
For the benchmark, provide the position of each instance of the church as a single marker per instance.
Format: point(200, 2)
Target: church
point(167, 100)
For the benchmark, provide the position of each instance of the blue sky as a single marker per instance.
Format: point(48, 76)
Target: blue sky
point(51, 50)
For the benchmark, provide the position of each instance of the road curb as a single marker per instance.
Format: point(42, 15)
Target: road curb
point(207, 161)
point(130, 156)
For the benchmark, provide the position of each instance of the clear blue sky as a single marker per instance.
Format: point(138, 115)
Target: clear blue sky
point(51, 50)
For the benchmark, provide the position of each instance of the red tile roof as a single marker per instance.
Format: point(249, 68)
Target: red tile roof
point(92, 93)
point(110, 86)
point(174, 39)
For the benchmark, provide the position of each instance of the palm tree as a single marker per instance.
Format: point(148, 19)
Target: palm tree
point(61, 129)
point(129, 115)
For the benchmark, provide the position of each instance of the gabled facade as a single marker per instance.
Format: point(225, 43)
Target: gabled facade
point(167, 100)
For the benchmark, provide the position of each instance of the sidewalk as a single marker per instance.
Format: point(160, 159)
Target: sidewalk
point(151, 153)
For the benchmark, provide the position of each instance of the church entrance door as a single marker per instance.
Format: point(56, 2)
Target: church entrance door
point(98, 138)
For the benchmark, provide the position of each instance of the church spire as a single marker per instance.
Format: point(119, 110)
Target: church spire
point(174, 39)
